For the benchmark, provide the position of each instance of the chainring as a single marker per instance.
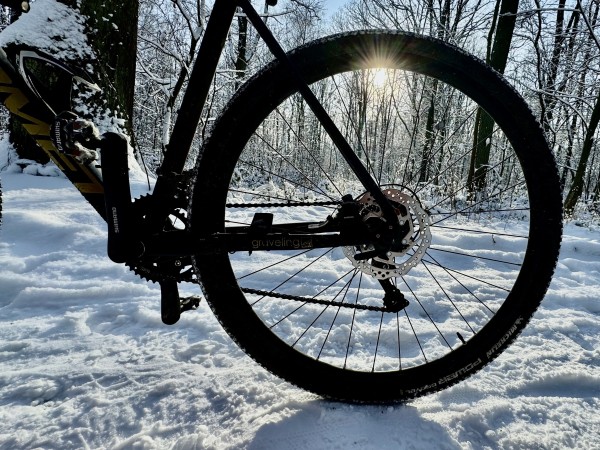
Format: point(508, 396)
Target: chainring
point(175, 268)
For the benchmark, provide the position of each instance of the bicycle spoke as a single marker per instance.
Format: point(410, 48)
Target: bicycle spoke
point(291, 164)
point(478, 280)
point(377, 343)
point(449, 272)
point(345, 289)
point(475, 256)
point(289, 278)
point(272, 265)
point(352, 323)
point(270, 197)
point(471, 230)
point(287, 179)
point(448, 297)
point(427, 314)
point(399, 341)
point(312, 156)
point(468, 208)
point(457, 160)
point(486, 199)
point(415, 335)
point(315, 296)
point(479, 211)
point(355, 128)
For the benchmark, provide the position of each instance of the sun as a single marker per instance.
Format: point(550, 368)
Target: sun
point(379, 78)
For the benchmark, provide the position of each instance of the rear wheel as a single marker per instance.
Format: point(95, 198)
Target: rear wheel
point(480, 209)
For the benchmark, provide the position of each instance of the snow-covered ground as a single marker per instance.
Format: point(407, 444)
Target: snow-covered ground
point(85, 362)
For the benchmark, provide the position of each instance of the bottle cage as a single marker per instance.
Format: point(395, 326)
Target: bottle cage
point(51, 80)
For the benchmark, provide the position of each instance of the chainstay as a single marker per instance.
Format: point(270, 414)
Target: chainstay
point(313, 300)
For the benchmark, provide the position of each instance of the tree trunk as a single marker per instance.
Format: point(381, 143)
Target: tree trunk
point(23, 143)
point(429, 136)
point(114, 39)
point(588, 143)
point(241, 62)
point(497, 58)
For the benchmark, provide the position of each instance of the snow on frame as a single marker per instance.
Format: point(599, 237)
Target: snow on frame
point(85, 361)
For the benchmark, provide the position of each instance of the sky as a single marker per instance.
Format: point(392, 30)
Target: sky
point(334, 5)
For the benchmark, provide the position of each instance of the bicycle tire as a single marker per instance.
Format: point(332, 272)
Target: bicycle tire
point(483, 274)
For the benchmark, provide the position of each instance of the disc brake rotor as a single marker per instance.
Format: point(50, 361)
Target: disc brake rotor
point(415, 225)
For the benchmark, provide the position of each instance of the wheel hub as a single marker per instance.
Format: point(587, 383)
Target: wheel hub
point(408, 250)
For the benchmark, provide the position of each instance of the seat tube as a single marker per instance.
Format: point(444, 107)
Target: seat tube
point(199, 84)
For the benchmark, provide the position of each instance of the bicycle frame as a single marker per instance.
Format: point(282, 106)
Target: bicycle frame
point(37, 117)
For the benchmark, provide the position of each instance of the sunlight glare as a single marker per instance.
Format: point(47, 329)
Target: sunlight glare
point(379, 78)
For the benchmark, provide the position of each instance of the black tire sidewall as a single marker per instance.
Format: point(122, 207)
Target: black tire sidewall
point(430, 57)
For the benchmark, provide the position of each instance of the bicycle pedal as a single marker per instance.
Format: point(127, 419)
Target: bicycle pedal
point(189, 303)
point(172, 305)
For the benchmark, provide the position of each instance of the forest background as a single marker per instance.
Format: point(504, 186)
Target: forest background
point(548, 50)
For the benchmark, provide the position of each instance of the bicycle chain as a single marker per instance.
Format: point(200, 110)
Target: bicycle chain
point(313, 300)
point(295, 297)
point(280, 205)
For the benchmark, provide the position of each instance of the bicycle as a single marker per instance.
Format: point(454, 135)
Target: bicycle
point(340, 227)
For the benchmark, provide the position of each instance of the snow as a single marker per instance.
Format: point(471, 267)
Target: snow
point(52, 27)
point(85, 362)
